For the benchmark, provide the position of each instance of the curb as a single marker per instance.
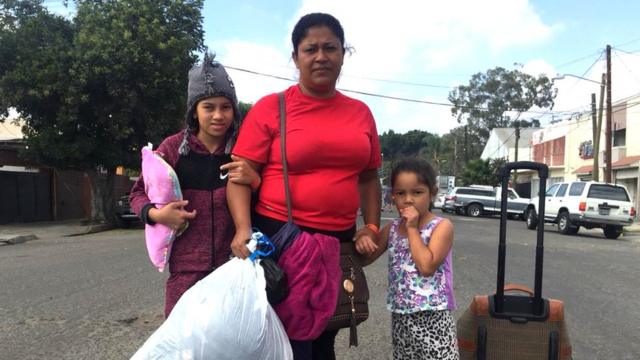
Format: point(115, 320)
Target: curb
point(19, 239)
point(92, 229)
point(14, 239)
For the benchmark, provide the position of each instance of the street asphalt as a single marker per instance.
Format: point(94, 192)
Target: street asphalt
point(50, 310)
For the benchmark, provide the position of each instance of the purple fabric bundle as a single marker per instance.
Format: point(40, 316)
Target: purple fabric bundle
point(312, 265)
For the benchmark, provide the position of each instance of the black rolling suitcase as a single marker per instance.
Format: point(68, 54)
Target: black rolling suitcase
point(522, 326)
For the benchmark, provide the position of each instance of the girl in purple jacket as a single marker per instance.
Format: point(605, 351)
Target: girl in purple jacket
point(197, 154)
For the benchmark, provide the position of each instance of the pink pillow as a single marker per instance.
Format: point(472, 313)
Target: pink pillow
point(162, 187)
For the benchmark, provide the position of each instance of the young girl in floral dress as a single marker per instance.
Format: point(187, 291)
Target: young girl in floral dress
point(420, 295)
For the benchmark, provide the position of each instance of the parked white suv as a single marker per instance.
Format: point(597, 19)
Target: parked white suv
point(585, 203)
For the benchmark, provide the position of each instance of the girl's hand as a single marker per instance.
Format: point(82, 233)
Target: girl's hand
point(411, 216)
point(239, 244)
point(240, 171)
point(173, 214)
point(365, 246)
point(366, 241)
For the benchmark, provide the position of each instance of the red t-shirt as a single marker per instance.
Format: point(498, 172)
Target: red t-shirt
point(329, 143)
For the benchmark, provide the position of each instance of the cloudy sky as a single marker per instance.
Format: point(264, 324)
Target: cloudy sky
point(420, 50)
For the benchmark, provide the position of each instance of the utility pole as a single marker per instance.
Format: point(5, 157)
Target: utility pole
point(600, 111)
point(594, 122)
point(455, 155)
point(515, 173)
point(466, 145)
point(607, 155)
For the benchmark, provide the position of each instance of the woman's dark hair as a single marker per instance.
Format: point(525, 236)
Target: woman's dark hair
point(423, 170)
point(316, 19)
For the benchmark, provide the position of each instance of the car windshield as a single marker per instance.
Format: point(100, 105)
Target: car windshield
point(608, 192)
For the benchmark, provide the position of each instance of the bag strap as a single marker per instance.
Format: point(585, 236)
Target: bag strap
point(283, 152)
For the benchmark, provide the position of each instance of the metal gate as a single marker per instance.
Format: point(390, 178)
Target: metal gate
point(24, 197)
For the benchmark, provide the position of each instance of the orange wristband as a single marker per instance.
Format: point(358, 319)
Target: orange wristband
point(373, 228)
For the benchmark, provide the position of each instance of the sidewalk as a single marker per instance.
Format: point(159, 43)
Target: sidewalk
point(19, 233)
point(633, 229)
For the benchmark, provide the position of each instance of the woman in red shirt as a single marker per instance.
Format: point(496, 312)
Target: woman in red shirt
point(333, 155)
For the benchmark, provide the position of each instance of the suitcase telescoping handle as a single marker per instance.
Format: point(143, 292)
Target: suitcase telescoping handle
point(543, 174)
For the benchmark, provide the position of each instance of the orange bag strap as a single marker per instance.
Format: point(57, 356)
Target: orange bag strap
point(518, 287)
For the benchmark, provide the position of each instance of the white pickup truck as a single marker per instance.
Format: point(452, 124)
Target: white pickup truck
point(584, 203)
point(476, 200)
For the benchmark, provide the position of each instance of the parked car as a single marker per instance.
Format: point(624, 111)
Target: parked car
point(585, 203)
point(438, 201)
point(126, 217)
point(476, 200)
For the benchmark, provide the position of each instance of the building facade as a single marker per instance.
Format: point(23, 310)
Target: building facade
point(568, 148)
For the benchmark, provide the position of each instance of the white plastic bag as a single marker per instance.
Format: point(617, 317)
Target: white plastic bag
point(226, 315)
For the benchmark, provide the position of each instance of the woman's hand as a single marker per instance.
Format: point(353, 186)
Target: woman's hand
point(241, 172)
point(172, 215)
point(239, 244)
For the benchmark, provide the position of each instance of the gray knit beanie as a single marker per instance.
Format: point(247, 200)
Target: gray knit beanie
point(207, 80)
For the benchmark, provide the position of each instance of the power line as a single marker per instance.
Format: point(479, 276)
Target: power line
point(591, 66)
point(578, 120)
point(346, 90)
point(625, 65)
point(379, 95)
point(626, 107)
point(599, 53)
point(501, 145)
point(628, 42)
point(400, 82)
point(632, 52)
point(586, 112)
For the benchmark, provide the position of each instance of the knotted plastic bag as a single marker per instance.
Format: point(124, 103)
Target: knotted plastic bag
point(162, 187)
point(224, 316)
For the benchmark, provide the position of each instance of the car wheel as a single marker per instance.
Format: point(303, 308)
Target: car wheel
point(564, 224)
point(612, 232)
point(474, 210)
point(532, 219)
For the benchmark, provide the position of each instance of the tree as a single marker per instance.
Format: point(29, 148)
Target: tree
point(487, 98)
point(94, 89)
point(244, 108)
point(412, 143)
point(391, 145)
point(482, 172)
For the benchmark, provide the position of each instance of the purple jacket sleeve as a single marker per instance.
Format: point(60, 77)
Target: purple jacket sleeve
point(138, 199)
